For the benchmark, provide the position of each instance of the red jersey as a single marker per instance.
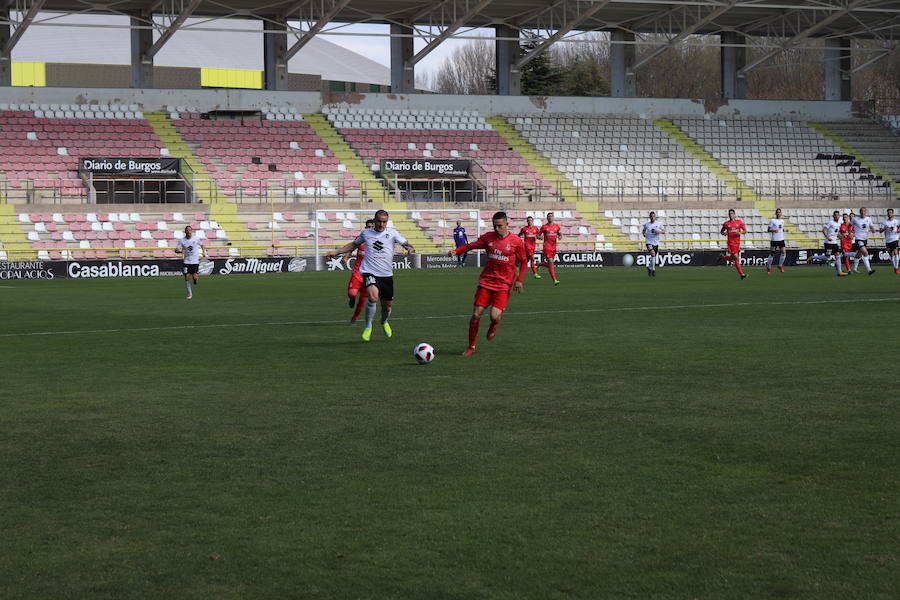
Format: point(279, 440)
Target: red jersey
point(529, 236)
point(502, 254)
point(733, 229)
point(360, 252)
point(550, 233)
point(845, 232)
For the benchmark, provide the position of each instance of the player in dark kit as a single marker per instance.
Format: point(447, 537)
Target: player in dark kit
point(503, 251)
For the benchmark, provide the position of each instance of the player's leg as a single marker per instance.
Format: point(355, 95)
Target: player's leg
point(550, 257)
point(865, 260)
point(386, 306)
point(769, 260)
point(361, 300)
point(371, 305)
point(782, 258)
point(736, 256)
point(187, 283)
point(895, 258)
point(651, 264)
point(482, 298)
point(496, 316)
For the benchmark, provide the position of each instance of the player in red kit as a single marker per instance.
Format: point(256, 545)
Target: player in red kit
point(550, 233)
point(356, 291)
point(732, 229)
point(846, 234)
point(503, 250)
point(529, 235)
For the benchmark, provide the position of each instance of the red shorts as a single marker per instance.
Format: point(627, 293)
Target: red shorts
point(734, 247)
point(549, 253)
point(355, 285)
point(529, 252)
point(485, 297)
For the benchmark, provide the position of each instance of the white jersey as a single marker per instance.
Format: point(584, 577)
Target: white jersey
point(832, 228)
point(862, 227)
point(379, 257)
point(651, 232)
point(191, 248)
point(891, 234)
point(778, 226)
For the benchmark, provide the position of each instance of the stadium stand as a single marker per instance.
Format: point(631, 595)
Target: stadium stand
point(83, 235)
point(876, 147)
point(279, 155)
point(377, 134)
point(892, 121)
point(42, 144)
point(775, 157)
point(617, 156)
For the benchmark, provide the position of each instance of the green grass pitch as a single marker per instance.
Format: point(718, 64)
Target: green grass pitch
point(688, 436)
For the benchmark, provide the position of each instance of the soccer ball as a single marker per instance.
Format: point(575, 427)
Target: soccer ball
point(627, 260)
point(423, 353)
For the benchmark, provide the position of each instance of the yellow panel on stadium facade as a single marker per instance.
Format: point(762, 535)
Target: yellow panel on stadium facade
point(231, 78)
point(29, 74)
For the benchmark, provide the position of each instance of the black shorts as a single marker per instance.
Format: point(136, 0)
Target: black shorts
point(190, 269)
point(832, 249)
point(892, 245)
point(776, 244)
point(652, 247)
point(385, 285)
point(857, 244)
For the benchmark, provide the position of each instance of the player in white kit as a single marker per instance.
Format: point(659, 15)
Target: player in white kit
point(831, 231)
point(377, 268)
point(890, 227)
point(192, 248)
point(862, 227)
point(776, 243)
point(651, 232)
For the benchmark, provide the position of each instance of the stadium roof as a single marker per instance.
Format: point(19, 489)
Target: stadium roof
point(104, 39)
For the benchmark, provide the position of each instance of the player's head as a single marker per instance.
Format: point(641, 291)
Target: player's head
point(370, 223)
point(777, 213)
point(530, 221)
point(381, 220)
point(549, 217)
point(501, 223)
point(458, 224)
point(852, 215)
point(890, 214)
point(188, 231)
point(652, 216)
point(836, 215)
point(862, 211)
point(731, 214)
point(846, 218)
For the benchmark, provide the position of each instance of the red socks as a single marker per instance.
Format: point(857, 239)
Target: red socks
point(492, 330)
point(360, 304)
point(737, 264)
point(473, 331)
point(552, 271)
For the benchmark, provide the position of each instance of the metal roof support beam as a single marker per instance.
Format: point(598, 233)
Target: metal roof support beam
point(887, 52)
point(684, 33)
point(325, 19)
point(837, 67)
point(508, 79)
point(403, 71)
point(732, 58)
point(20, 30)
point(621, 57)
point(275, 62)
point(141, 42)
point(173, 28)
point(578, 20)
point(450, 30)
point(5, 62)
point(806, 33)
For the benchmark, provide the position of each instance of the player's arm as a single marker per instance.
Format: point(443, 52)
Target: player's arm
point(476, 245)
point(179, 248)
point(724, 230)
point(522, 257)
point(345, 249)
point(559, 234)
point(203, 250)
point(742, 229)
point(772, 229)
point(408, 247)
point(345, 258)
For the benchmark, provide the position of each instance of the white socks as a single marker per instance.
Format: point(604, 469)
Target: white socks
point(652, 263)
point(370, 312)
point(781, 258)
point(187, 285)
point(865, 260)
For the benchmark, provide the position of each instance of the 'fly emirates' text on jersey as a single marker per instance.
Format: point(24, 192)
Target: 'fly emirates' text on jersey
point(733, 229)
point(379, 256)
point(529, 235)
point(502, 253)
point(191, 248)
point(550, 233)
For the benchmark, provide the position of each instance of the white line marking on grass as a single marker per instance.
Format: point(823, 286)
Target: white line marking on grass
point(527, 313)
point(8, 287)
